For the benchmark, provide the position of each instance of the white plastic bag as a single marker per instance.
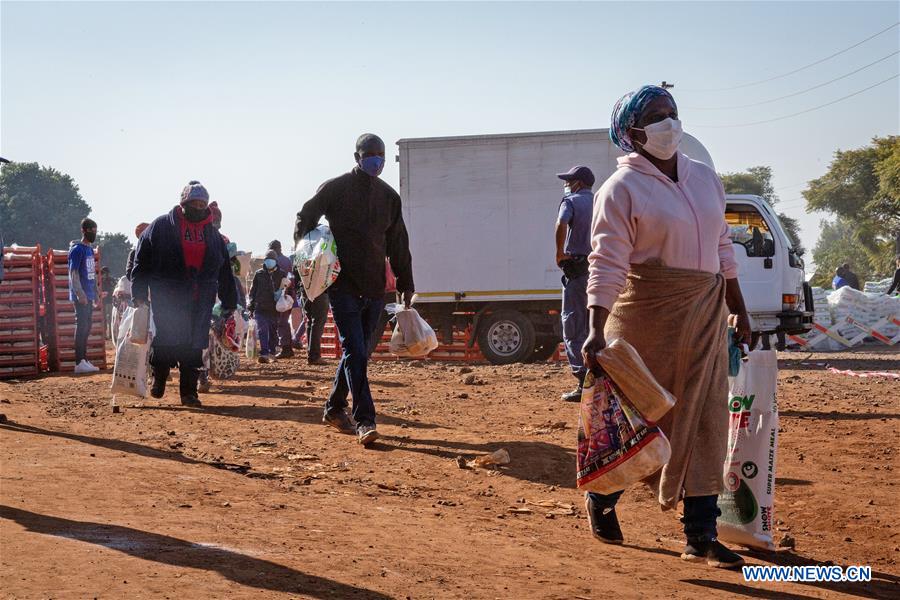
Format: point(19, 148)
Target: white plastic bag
point(748, 501)
point(252, 351)
point(284, 303)
point(413, 337)
point(123, 287)
point(315, 258)
point(130, 370)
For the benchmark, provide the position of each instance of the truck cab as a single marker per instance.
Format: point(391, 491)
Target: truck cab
point(770, 269)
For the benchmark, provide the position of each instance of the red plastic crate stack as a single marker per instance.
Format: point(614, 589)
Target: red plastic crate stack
point(20, 304)
point(61, 316)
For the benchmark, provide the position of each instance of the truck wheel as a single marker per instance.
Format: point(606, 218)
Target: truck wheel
point(544, 348)
point(506, 336)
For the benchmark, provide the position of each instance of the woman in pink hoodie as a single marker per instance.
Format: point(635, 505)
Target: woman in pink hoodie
point(662, 269)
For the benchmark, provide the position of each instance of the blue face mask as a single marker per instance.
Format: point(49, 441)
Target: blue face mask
point(372, 165)
point(269, 263)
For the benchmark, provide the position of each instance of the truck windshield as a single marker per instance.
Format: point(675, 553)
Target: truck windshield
point(750, 230)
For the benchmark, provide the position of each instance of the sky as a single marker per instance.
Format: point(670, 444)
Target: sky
point(262, 102)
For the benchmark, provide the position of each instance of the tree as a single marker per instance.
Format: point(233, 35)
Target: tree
point(837, 245)
point(114, 249)
point(39, 205)
point(758, 182)
point(862, 187)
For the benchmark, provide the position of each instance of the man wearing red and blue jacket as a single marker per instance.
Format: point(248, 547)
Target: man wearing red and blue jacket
point(181, 263)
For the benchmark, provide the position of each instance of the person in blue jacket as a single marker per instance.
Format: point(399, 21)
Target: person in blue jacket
point(839, 280)
point(83, 292)
point(181, 263)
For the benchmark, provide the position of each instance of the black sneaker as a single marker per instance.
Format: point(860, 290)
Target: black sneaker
point(604, 522)
point(713, 553)
point(573, 396)
point(285, 353)
point(158, 388)
point(340, 421)
point(191, 400)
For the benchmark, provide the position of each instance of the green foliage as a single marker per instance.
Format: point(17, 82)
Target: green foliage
point(792, 229)
point(862, 188)
point(39, 205)
point(758, 182)
point(837, 245)
point(114, 249)
point(755, 180)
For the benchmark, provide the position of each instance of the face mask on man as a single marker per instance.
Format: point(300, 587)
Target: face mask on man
point(372, 165)
point(90, 236)
point(663, 138)
point(567, 189)
point(195, 215)
point(270, 263)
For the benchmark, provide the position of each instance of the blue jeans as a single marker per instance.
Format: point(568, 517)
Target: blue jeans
point(575, 322)
point(700, 514)
point(267, 331)
point(356, 318)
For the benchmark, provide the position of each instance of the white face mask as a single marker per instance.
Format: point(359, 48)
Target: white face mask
point(662, 138)
point(567, 189)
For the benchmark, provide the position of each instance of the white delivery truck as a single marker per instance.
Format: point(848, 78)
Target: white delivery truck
point(481, 212)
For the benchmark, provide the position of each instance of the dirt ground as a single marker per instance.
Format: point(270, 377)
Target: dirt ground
point(252, 497)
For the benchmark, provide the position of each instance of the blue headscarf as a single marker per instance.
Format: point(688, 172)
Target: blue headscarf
point(627, 112)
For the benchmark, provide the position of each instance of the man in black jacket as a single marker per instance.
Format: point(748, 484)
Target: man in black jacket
point(181, 260)
point(365, 217)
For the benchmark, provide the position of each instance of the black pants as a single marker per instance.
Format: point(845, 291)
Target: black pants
point(107, 320)
point(187, 359)
point(84, 314)
point(316, 312)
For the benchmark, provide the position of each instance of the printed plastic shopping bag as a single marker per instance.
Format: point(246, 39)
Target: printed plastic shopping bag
point(627, 369)
point(130, 370)
point(413, 337)
point(315, 258)
point(616, 445)
point(748, 501)
point(224, 359)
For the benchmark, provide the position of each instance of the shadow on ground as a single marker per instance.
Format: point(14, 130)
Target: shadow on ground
point(234, 566)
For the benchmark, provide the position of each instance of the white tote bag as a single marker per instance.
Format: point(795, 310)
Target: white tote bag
point(130, 370)
point(748, 501)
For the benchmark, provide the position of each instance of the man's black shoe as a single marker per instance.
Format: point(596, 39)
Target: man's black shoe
point(158, 388)
point(604, 523)
point(713, 553)
point(191, 400)
point(285, 353)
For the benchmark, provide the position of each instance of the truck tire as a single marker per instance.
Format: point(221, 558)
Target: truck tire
point(505, 337)
point(544, 348)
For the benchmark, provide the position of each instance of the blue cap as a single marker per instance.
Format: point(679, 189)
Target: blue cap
point(580, 173)
point(194, 190)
